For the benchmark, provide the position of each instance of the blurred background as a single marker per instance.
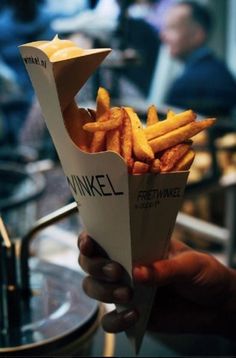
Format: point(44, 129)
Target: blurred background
point(145, 67)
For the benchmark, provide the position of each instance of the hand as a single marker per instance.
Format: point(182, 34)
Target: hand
point(195, 292)
point(105, 283)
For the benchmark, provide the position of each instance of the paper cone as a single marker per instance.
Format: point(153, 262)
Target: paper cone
point(154, 201)
point(131, 217)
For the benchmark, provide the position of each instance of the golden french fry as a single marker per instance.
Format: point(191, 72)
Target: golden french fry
point(102, 114)
point(103, 104)
point(168, 125)
point(113, 122)
point(74, 119)
point(170, 114)
point(141, 147)
point(98, 143)
point(140, 168)
point(185, 162)
point(155, 167)
point(179, 135)
point(126, 139)
point(113, 140)
point(152, 116)
point(120, 130)
point(172, 155)
point(130, 164)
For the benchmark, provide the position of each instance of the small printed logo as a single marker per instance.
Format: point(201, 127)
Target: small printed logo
point(31, 60)
point(147, 199)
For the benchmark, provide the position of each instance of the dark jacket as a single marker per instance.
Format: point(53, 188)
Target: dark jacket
point(206, 86)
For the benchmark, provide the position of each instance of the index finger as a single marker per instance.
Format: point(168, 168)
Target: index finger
point(173, 270)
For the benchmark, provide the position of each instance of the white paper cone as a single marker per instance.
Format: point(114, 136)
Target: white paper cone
point(131, 217)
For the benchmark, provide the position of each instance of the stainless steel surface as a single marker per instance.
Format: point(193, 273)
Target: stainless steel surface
point(57, 312)
point(213, 233)
point(19, 192)
point(210, 231)
point(18, 186)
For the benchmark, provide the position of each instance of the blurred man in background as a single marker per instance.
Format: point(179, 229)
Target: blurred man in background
point(205, 84)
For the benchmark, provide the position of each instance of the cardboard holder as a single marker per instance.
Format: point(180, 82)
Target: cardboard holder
point(131, 216)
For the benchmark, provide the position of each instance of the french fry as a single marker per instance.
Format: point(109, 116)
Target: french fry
point(98, 142)
point(170, 114)
point(162, 146)
point(113, 122)
point(74, 119)
point(127, 140)
point(185, 162)
point(130, 164)
point(155, 167)
point(102, 114)
point(152, 116)
point(103, 104)
point(141, 147)
point(179, 135)
point(140, 168)
point(120, 130)
point(113, 140)
point(172, 155)
point(168, 125)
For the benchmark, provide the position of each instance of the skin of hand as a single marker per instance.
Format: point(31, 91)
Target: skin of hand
point(195, 292)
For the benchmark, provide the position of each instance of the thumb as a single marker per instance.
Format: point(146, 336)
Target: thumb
point(181, 268)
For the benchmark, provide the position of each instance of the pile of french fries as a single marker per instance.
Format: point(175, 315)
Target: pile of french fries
point(160, 146)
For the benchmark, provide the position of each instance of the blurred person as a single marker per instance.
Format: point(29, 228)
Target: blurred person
point(21, 21)
point(139, 26)
point(134, 41)
point(139, 44)
point(205, 85)
point(196, 294)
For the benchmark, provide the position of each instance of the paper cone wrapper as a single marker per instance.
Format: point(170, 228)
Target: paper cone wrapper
point(131, 217)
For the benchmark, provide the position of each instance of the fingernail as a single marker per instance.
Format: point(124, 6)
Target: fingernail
point(131, 317)
point(123, 294)
point(109, 270)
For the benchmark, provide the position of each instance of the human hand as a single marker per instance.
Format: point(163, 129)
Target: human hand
point(194, 290)
point(105, 283)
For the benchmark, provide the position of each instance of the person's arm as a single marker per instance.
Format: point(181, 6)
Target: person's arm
point(196, 293)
